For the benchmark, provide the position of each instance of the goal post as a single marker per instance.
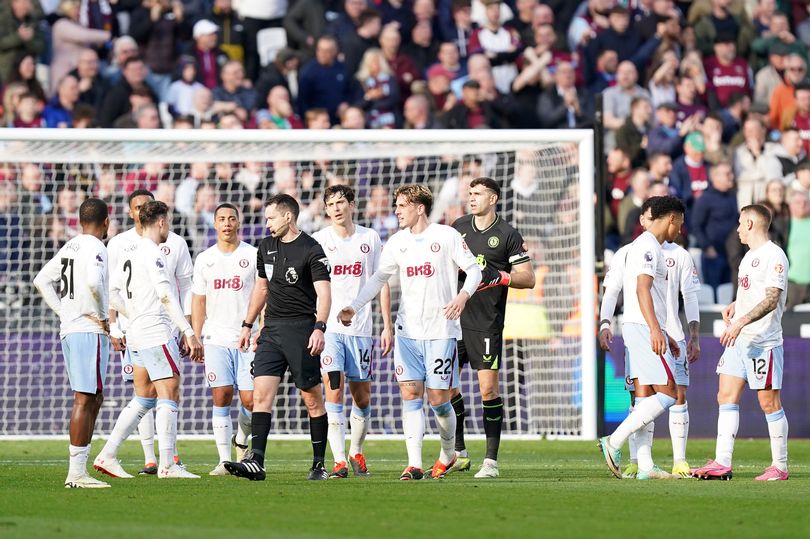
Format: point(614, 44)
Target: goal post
point(548, 377)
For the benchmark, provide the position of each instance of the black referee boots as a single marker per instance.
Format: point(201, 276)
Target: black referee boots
point(318, 472)
point(248, 468)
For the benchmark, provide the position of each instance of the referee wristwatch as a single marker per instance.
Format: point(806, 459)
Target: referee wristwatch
point(321, 326)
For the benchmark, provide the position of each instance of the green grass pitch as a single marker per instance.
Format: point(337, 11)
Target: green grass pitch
point(546, 489)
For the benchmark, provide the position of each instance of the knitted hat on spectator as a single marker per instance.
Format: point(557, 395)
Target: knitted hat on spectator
point(725, 37)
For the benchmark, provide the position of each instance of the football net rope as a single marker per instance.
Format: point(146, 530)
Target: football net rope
point(548, 368)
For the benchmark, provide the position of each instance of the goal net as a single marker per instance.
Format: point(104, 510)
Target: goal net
point(548, 369)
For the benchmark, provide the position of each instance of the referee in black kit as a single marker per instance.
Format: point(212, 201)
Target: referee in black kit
point(293, 278)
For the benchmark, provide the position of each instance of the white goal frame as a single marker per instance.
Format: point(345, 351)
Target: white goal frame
point(87, 145)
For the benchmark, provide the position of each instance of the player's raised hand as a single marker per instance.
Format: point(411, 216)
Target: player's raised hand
point(453, 310)
point(658, 342)
point(605, 339)
point(316, 342)
point(728, 313)
point(244, 339)
point(195, 349)
point(386, 340)
point(345, 316)
point(693, 350)
point(673, 346)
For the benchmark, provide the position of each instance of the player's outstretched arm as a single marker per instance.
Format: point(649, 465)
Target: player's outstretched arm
point(658, 342)
point(369, 291)
point(257, 300)
point(759, 310)
point(522, 275)
point(387, 335)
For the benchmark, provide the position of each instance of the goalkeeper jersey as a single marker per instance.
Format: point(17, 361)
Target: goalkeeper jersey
point(499, 246)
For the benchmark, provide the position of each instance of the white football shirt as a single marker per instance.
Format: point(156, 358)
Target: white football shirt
point(762, 268)
point(226, 280)
point(681, 279)
point(645, 257)
point(353, 261)
point(428, 265)
point(140, 270)
point(79, 274)
point(178, 264)
point(614, 278)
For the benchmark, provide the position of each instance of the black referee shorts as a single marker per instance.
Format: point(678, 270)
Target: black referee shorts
point(283, 344)
point(482, 350)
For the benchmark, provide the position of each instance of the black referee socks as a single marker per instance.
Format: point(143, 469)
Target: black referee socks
point(260, 426)
point(493, 421)
point(318, 429)
point(458, 407)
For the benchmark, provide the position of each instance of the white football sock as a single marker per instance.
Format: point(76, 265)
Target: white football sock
point(166, 426)
point(223, 430)
point(126, 423)
point(679, 431)
point(644, 412)
point(631, 441)
point(146, 431)
point(78, 460)
point(644, 441)
point(728, 421)
point(446, 419)
point(359, 421)
point(413, 424)
point(337, 431)
point(778, 430)
point(243, 426)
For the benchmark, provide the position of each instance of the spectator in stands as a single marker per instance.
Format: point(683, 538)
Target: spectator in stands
point(753, 165)
point(92, 86)
point(418, 114)
point(380, 91)
point(798, 250)
point(364, 37)
point(616, 100)
point(619, 173)
point(10, 224)
point(777, 33)
point(116, 102)
point(631, 205)
point(146, 177)
point(714, 216)
point(231, 35)
point(324, 82)
point(733, 115)
point(607, 62)
point(770, 75)
point(137, 99)
point(439, 89)
point(229, 120)
point(279, 113)
point(632, 135)
point(233, 95)
point(27, 112)
point(800, 116)
point(562, 105)
point(346, 22)
point(125, 47)
point(210, 58)
point(690, 172)
point(59, 111)
point(783, 100)
point(720, 20)
point(157, 26)
point(185, 194)
point(378, 214)
point(727, 73)
point(402, 65)
point(462, 26)
point(789, 152)
point(500, 44)
point(67, 205)
point(471, 112)
point(201, 221)
point(109, 190)
point(523, 17)
point(304, 22)
point(317, 119)
point(34, 204)
point(422, 49)
point(21, 33)
point(147, 117)
point(24, 70)
point(449, 61)
point(283, 70)
point(687, 100)
point(775, 200)
point(256, 16)
point(712, 131)
point(666, 137)
point(802, 182)
point(227, 188)
point(660, 167)
point(539, 61)
point(588, 22)
point(180, 96)
point(352, 117)
point(70, 40)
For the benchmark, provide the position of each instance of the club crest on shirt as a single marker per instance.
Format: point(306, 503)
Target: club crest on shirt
point(165, 250)
point(779, 268)
point(212, 377)
point(493, 241)
point(291, 275)
point(244, 263)
point(364, 248)
point(670, 262)
point(435, 247)
point(326, 360)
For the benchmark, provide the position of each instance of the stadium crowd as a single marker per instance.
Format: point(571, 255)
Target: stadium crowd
point(708, 100)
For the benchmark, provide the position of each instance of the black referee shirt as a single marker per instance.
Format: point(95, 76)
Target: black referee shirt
point(291, 269)
point(500, 246)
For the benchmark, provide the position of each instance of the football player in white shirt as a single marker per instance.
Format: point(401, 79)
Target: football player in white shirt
point(79, 272)
point(754, 352)
point(645, 317)
point(681, 278)
point(178, 264)
point(353, 252)
point(153, 311)
point(224, 275)
point(427, 257)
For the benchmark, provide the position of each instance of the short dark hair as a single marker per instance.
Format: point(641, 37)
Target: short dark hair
point(228, 206)
point(286, 202)
point(131, 60)
point(367, 15)
point(152, 211)
point(332, 190)
point(804, 165)
point(803, 85)
point(760, 210)
point(662, 206)
point(93, 211)
point(139, 193)
point(488, 183)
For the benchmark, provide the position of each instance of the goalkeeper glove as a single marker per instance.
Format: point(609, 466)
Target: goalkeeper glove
point(491, 277)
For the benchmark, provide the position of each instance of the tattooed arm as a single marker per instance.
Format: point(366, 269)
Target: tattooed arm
point(693, 348)
point(760, 309)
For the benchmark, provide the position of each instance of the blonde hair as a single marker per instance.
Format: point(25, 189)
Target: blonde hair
point(416, 193)
point(66, 5)
point(363, 72)
point(14, 89)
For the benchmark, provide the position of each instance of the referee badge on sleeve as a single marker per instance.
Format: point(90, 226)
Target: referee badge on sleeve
point(268, 270)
